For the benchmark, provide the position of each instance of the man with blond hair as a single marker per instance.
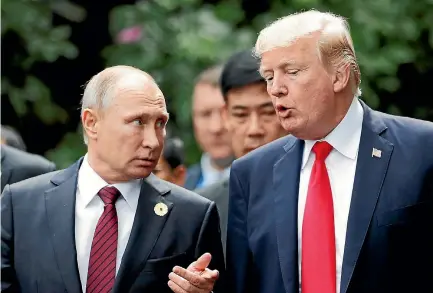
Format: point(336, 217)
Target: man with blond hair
point(345, 203)
point(106, 223)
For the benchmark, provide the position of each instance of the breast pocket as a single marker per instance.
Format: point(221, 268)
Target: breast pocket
point(154, 276)
point(164, 265)
point(406, 215)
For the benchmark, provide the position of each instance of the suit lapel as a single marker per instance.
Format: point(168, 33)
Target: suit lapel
point(145, 232)
point(370, 173)
point(60, 207)
point(286, 186)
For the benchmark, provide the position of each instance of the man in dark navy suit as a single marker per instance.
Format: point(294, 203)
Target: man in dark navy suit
point(106, 224)
point(345, 203)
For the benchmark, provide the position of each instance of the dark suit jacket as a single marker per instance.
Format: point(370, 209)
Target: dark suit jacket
point(389, 239)
point(219, 193)
point(193, 177)
point(38, 242)
point(17, 165)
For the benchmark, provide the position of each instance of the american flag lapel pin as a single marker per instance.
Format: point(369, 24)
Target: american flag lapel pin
point(376, 153)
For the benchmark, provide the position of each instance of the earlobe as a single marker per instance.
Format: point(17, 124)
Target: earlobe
point(89, 120)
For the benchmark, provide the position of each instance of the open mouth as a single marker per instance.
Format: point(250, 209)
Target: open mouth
point(281, 108)
point(283, 111)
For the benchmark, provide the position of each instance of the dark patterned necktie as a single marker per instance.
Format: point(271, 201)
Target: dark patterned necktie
point(102, 261)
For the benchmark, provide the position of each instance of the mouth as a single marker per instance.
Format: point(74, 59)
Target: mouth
point(283, 111)
point(146, 162)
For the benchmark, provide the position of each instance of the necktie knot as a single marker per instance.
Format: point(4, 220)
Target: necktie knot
point(109, 194)
point(322, 150)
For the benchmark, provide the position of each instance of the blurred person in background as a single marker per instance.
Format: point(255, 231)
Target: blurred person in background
point(209, 131)
point(249, 117)
point(106, 223)
point(345, 203)
point(18, 165)
point(11, 137)
point(170, 165)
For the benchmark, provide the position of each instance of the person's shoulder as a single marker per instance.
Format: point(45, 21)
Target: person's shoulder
point(27, 189)
point(24, 160)
point(406, 130)
point(411, 125)
point(214, 190)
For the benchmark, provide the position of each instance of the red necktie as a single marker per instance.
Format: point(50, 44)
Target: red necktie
point(102, 261)
point(318, 235)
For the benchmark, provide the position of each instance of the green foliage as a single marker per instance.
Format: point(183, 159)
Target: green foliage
point(32, 22)
point(68, 150)
point(182, 37)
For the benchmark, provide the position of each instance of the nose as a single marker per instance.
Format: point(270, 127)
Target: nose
point(150, 138)
point(277, 88)
point(255, 128)
point(215, 122)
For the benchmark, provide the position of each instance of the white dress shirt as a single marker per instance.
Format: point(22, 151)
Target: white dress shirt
point(341, 166)
point(88, 209)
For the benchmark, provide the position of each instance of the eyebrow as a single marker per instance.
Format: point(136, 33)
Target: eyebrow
point(261, 106)
point(146, 115)
point(283, 63)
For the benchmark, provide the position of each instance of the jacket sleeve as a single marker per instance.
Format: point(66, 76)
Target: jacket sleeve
point(240, 278)
point(9, 283)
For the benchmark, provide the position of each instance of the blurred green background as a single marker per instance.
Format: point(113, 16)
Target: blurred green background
point(51, 48)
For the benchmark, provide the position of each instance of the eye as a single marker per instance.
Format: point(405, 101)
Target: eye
point(240, 115)
point(268, 78)
point(160, 123)
point(293, 71)
point(137, 122)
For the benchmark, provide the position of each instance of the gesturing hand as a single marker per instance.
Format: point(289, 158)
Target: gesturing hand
point(197, 278)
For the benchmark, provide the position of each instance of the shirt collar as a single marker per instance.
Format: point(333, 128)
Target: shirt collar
point(345, 137)
point(90, 183)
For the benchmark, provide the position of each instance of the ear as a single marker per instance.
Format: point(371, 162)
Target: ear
point(179, 174)
point(90, 120)
point(225, 115)
point(341, 78)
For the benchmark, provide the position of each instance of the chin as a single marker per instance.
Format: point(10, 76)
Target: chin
point(139, 173)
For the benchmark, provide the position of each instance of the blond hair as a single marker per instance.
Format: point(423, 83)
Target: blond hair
point(335, 45)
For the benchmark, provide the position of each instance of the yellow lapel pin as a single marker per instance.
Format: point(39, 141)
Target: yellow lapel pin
point(160, 209)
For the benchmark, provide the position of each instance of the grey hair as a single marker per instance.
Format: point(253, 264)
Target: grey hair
point(101, 88)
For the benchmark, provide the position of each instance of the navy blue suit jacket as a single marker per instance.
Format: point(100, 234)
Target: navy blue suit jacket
point(38, 236)
point(389, 239)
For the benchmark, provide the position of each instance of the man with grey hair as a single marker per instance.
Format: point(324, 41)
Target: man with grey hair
point(209, 132)
point(345, 203)
point(106, 223)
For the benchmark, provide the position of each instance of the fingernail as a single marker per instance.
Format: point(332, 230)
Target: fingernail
point(176, 269)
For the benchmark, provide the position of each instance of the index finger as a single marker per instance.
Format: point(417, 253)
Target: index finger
point(201, 282)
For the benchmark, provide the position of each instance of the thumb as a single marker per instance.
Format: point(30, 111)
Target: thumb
point(201, 263)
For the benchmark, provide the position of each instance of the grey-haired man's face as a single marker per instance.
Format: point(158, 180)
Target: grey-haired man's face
point(209, 129)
